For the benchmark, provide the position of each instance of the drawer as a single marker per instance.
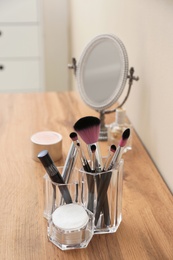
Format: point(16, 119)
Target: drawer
point(19, 41)
point(19, 75)
point(15, 11)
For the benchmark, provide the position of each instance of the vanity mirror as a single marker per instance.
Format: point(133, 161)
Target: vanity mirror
point(101, 73)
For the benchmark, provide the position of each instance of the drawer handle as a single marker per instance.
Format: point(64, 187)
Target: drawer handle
point(1, 67)
point(0, 33)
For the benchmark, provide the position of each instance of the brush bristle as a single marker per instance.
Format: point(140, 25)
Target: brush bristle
point(126, 134)
point(125, 137)
point(88, 128)
point(113, 148)
point(73, 136)
point(93, 148)
point(86, 122)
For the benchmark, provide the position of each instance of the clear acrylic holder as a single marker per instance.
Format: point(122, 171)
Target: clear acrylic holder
point(102, 195)
point(70, 226)
point(48, 190)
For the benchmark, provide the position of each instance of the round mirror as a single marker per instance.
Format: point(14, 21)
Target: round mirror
point(102, 71)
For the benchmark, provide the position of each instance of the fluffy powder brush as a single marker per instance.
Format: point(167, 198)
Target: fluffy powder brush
point(88, 129)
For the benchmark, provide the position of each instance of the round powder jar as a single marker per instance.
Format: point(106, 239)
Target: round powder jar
point(71, 227)
point(47, 140)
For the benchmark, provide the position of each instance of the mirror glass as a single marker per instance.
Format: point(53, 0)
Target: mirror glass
point(102, 71)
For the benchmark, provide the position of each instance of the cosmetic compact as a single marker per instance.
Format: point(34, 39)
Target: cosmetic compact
point(101, 74)
point(47, 140)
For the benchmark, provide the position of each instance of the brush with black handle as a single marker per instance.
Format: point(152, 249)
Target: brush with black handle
point(86, 167)
point(105, 180)
point(105, 208)
point(54, 174)
point(102, 201)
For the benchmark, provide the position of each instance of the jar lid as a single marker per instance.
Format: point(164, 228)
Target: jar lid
point(70, 217)
point(47, 140)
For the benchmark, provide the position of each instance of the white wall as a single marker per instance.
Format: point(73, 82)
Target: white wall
point(146, 29)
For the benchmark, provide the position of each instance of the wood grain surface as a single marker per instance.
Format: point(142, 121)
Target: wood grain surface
point(146, 231)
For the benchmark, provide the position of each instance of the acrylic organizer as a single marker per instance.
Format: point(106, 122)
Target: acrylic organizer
point(48, 190)
point(70, 225)
point(102, 195)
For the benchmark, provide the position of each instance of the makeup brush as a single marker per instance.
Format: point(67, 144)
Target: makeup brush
point(83, 159)
point(54, 174)
point(93, 157)
point(103, 183)
point(90, 180)
point(102, 199)
point(74, 137)
point(104, 205)
point(117, 156)
point(88, 129)
point(109, 158)
point(69, 162)
point(105, 208)
point(105, 180)
point(93, 161)
point(87, 168)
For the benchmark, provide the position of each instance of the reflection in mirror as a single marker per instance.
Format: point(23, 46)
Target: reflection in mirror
point(102, 71)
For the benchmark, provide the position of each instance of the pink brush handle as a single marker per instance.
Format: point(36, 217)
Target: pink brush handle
point(122, 142)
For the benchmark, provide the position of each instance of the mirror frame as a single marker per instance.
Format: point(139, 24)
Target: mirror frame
point(81, 66)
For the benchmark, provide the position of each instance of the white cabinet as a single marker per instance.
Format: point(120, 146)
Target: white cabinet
point(19, 41)
point(16, 11)
point(20, 75)
point(21, 59)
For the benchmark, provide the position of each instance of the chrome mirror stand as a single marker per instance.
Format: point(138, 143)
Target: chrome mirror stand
point(103, 129)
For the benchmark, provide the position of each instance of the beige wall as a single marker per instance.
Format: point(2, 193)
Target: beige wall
point(146, 29)
point(55, 16)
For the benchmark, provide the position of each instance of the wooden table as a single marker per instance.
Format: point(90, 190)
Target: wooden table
point(146, 231)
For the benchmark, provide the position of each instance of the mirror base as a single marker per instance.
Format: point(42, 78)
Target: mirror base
point(103, 135)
